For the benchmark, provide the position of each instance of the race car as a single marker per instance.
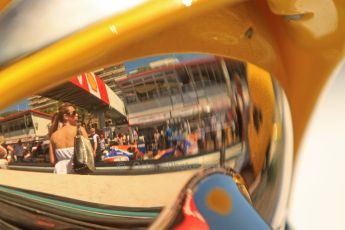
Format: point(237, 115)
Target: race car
point(122, 153)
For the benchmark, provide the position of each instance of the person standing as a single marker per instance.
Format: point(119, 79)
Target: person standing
point(61, 147)
point(108, 134)
point(136, 135)
point(19, 151)
point(95, 143)
point(102, 143)
point(141, 147)
point(130, 135)
point(156, 137)
point(162, 144)
point(168, 136)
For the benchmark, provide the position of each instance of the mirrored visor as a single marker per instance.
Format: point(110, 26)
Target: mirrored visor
point(159, 117)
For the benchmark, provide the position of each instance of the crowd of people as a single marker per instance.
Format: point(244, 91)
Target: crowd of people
point(179, 137)
point(174, 138)
point(34, 151)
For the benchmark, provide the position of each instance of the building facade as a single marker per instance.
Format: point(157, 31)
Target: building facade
point(163, 62)
point(111, 74)
point(30, 125)
point(162, 93)
point(44, 104)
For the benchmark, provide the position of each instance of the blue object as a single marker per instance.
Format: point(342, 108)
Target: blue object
point(118, 152)
point(242, 214)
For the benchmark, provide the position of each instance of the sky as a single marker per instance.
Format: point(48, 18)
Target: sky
point(22, 105)
point(130, 66)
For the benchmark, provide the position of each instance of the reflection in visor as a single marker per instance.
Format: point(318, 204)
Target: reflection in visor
point(194, 108)
point(204, 111)
point(182, 109)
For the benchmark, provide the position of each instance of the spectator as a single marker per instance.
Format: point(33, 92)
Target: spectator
point(108, 134)
point(141, 149)
point(19, 151)
point(131, 135)
point(120, 139)
point(95, 143)
point(61, 147)
point(102, 143)
point(136, 135)
point(27, 156)
point(141, 145)
point(156, 137)
point(168, 137)
point(161, 143)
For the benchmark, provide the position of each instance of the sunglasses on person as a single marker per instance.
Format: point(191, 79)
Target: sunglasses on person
point(72, 113)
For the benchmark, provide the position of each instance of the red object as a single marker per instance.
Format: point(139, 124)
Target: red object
point(192, 217)
point(96, 87)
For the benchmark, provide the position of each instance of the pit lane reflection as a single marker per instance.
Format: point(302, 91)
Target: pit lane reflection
point(183, 115)
point(206, 111)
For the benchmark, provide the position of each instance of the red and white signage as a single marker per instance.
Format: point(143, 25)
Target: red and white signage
point(93, 85)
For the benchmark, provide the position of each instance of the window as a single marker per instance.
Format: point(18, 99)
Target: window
point(173, 85)
point(183, 78)
point(218, 73)
point(108, 69)
point(141, 92)
point(136, 81)
point(131, 98)
point(162, 87)
point(124, 84)
point(160, 83)
point(174, 89)
point(158, 75)
point(28, 121)
point(197, 77)
point(205, 75)
point(151, 89)
point(148, 78)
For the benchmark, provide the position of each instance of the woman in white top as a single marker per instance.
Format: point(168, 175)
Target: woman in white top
point(61, 147)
